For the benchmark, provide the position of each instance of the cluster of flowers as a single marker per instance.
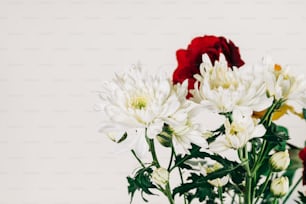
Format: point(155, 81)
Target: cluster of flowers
point(142, 109)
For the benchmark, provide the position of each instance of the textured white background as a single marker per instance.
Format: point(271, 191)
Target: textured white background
point(54, 56)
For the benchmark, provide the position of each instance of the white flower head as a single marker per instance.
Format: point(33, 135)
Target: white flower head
point(136, 101)
point(283, 84)
point(138, 104)
point(238, 132)
point(188, 132)
point(223, 89)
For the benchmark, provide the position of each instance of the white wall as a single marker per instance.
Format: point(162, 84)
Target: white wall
point(54, 56)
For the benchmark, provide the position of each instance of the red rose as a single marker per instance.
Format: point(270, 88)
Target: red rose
point(189, 60)
point(302, 155)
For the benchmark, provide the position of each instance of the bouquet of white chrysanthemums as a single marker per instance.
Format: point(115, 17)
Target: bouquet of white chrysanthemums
point(143, 110)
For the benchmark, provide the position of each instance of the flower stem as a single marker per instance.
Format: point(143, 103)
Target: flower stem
point(140, 162)
point(181, 175)
point(167, 191)
point(292, 189)
point(220, 194)
point(152, 150)
point(169, 194)
point(264, 185)
point(275, 201)
point(248, 195)
point(243, 154)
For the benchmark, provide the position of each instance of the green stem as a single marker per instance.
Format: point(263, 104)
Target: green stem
point(220, 192)
point(169, 194)
point(140, 162)
point(292, 189)
point(233, 198)
point(167, 191)
point(275, 201)
point(152, 150)
point(171, 158)
point(248, 195)
point(264, 185)
point(180, 173)
point(243, 154)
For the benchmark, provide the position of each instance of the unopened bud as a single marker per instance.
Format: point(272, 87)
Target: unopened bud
point(279, 186)
point(280, 161)
point(160, 176)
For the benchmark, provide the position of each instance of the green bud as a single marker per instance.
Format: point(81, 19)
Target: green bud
point(165, 137)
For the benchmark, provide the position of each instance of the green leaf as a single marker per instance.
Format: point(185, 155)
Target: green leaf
point(277, 134)
point(141, 182)
point(302, 198)
point(304, 113)
point(124, 136)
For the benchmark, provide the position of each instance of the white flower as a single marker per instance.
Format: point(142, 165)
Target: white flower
point(280, 186)
point(187, 132)
point(282, 84)
point(238, 132)
point(136, 101)
point(279, 161)
point(160, 176)
point(223, 89)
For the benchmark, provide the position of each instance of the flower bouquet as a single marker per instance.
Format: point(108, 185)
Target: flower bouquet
point(246, 159)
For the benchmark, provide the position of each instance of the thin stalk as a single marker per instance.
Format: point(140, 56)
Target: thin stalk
point(171, 158)
point(181, 175)
point(233, 199)
point(140, 162)
point(152, 150)
point(292, 189)
point(169, 194)
point(264, 185)
point(220, 192)
point(248, 196)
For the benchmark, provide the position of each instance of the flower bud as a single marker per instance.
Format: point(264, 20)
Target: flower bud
point(160, 176)
point(165, 137)
point(280, 161)
point(279, 186)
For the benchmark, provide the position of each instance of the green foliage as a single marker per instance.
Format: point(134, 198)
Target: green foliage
point(277, 134)
point(141, 182)
point(304, 113)
point(302, 198)
point(198, 183)
point(124, 136)
point(216, 133)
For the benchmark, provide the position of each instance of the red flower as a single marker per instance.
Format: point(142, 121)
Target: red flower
point(189, 60)
point(302, 155)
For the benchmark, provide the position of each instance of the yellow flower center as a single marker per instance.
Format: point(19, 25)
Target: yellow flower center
point(139, 102)
point(235, 129)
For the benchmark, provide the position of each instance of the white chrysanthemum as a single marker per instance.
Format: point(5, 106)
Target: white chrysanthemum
point(282, 84)
point(187, 132)
point(223, 89)
point(136, 101)
point(238, 132)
